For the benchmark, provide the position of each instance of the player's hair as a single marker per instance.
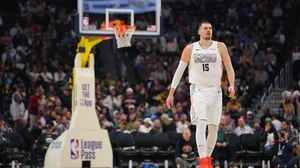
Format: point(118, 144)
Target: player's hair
point(204, 22)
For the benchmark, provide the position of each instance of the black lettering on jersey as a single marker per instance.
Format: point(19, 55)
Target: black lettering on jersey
point(205, 58)
point(205, 67)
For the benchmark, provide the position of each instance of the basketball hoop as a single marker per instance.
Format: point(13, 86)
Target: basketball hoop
point(123, 34)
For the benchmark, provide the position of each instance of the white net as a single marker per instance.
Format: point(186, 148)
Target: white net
point(124, 40)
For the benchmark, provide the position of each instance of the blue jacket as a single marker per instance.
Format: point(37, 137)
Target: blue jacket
point(287, 151)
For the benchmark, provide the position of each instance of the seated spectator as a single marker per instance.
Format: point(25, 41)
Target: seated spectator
point(139, 116)
point(230, 123)
point(136, 127)
point(147, 126)
point(104, 122)
point(123, 128)
point(113, 101)
point(267, 114)
point(158, 112)
point(123, 119)
point(256, 128)
point(275, 121)
point(59, 76)
point(69, 116)
point(182, 123)
point(260, 79)
point(279, 37)
point(52, 117)
point(260, 57)
point(45, 140)
point(270, 67)
point(272, 55)
point(116, 117)
point(23, 131)
point(247, 60)
point(268, 137)
point(36, 130)
point(283, 152)
point(223, 146)
point(157, 128)
point(288, 108)
point(186, 150)
point(234, 107)
point(168, 124)
point(129, 99)
point(292, 133)
point(55, 123)
point(63, 126)
point(244, 92)
point(249, 119)
point(227, 128)
point(4, 129)
point(242, 128)
point(131, 119)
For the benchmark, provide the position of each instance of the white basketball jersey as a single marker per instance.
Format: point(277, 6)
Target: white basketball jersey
point(205, 67)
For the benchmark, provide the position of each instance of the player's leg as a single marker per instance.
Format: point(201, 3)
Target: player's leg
point(213, 120)
point(201, 123)
point(199, 105)
point(199, 110)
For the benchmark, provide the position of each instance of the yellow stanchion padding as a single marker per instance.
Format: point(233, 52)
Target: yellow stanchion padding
point(85, 46)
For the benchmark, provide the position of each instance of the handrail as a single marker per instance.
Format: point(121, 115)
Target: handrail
point(281, 78)
point(276, 82)
point(270, 90)
point(263, 101)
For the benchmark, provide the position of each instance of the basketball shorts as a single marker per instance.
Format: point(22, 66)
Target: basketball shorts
point(206, 104)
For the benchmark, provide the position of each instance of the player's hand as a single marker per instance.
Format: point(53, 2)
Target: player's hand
point(169, 101)
point(231, 91)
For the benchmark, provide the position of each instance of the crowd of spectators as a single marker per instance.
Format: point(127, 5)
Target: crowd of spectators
point(37, 55)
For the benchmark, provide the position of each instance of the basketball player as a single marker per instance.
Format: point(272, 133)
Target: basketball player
point(205, 59)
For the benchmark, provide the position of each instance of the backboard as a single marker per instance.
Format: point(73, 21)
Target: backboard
point(93, 16)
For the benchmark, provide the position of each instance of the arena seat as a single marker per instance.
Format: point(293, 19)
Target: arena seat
point(2, 152)
point(250, 143)
point(14, 149)
point(174, 137)
point(113, 136)
point(240, 153)
point(144, 145)
point(164, 149)
point(126, 149)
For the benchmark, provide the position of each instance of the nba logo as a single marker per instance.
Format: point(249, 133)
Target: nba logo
point(86, 23)
point(74, 149)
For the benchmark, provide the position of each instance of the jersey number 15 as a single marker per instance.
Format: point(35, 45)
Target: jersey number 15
point(205, 67)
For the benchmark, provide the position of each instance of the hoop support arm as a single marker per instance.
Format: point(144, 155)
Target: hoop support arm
point(85, 46)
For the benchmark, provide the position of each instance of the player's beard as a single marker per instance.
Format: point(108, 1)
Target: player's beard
point(207, 38)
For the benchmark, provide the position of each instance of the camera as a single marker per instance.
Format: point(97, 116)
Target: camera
point(282, 134)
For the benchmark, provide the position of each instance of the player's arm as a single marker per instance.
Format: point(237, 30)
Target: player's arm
point(228, 66)
point(185, 59)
